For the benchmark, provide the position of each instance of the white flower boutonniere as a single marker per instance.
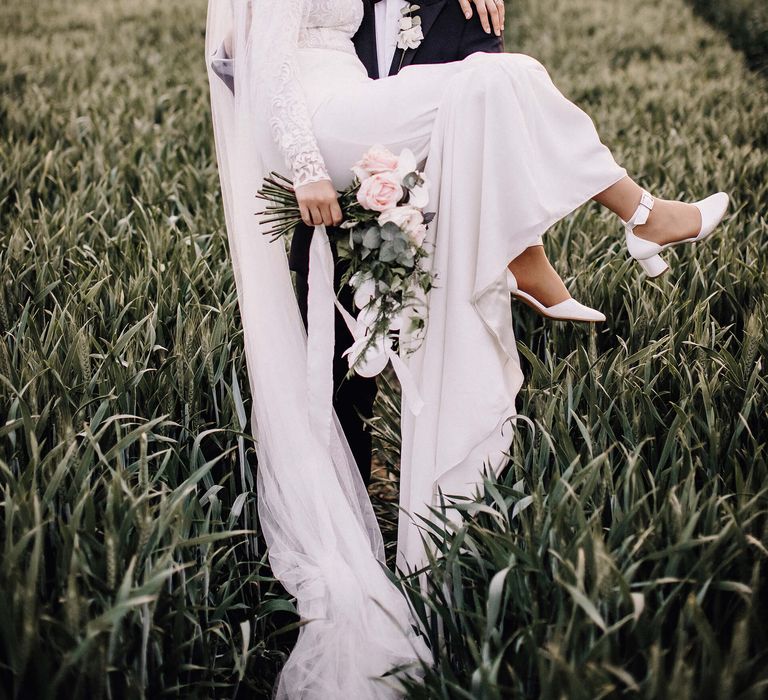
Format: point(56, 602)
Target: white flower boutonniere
point(410, 36)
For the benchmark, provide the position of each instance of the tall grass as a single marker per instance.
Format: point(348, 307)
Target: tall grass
point(746, 24)
point(131, 564)
point(624, 551)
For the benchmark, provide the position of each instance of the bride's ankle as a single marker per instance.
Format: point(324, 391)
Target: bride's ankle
point(536, 276)
point(670, 221)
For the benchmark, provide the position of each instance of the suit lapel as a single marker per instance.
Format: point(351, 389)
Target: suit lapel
point(429, 12)
point(365, 40)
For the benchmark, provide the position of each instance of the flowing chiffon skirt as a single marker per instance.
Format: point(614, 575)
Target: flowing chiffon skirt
point(507, 156)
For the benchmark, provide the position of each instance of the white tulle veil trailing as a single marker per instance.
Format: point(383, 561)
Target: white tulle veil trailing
point(324, 542)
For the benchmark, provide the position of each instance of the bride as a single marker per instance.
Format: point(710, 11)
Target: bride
point(507, 156)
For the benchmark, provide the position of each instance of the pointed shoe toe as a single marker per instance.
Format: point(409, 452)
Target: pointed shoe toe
point(568, 310)
point(572, 310)
point(713, 210)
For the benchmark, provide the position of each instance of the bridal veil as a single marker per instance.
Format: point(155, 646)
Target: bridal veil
point(324, 542)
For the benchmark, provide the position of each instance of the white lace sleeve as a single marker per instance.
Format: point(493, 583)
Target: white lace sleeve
point(286, 106)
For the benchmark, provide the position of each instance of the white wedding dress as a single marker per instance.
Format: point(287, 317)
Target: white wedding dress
point(507, 155)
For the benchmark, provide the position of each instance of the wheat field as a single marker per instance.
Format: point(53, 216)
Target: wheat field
point(623, 553)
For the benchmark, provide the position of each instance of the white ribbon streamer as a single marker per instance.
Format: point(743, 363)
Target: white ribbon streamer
point(411, 393)
point(320, 335)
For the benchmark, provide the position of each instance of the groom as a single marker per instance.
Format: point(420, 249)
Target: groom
point(452, 31)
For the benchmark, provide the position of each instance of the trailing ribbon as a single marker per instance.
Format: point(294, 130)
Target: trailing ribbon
point(321, 337)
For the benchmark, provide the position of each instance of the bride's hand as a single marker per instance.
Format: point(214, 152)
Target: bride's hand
point(487, 8)
point(319, 204)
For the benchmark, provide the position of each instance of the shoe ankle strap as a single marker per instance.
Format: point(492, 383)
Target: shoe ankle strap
point(643, 211)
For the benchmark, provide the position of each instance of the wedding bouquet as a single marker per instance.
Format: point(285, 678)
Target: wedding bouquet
point(384, 230)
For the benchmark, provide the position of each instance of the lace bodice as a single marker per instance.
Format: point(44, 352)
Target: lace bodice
point(331, 24)
point(289, 26)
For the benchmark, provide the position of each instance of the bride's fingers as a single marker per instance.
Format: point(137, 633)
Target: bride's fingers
point(318, 199)
point(306, 217)
point(316, 215)
point(336, 216)
point(328, 216)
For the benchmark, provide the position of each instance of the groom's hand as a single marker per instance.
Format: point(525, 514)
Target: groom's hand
point(490, 12)
point(319, 204)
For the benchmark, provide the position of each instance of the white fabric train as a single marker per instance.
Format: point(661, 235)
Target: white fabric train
point(325, 546)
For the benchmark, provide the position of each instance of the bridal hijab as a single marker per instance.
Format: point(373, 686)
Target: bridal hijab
point(325, 545)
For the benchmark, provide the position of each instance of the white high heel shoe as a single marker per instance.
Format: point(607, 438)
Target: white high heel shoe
point(568, 310)
point(647, 253)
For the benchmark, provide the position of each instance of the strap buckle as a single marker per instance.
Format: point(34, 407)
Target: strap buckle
point(647, 201)
point(642, 213)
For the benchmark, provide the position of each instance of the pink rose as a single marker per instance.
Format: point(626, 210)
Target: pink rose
point(380, 192)
point(409, 219)
point(377, 160)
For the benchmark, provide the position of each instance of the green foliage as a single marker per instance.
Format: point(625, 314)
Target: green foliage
point(744, 21)
point(130, 563)
point(624, 551)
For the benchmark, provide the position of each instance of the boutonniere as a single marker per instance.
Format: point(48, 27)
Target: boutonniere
point(410, 36)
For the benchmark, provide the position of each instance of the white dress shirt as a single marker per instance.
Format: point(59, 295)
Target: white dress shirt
point(388, 14)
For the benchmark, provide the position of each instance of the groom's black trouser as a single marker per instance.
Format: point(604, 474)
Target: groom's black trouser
point(353, 397)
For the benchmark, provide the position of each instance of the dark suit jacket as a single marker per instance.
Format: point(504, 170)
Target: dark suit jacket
point(448, 36)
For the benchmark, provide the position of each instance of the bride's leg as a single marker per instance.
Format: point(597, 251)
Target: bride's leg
point(533, 124)
point(669, 221)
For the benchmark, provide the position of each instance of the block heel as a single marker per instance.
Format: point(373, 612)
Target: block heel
point(654, 267)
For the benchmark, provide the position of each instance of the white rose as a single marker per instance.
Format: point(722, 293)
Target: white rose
point(365, 291)
point(366, 319)
point(374, 361)
point(419, 196)
point(406, 23)
point(418, 235)
point(406, 163)
point(407, 218)
point(410, 38)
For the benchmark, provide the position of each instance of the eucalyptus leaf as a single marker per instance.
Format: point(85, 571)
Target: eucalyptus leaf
point(372, 238)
